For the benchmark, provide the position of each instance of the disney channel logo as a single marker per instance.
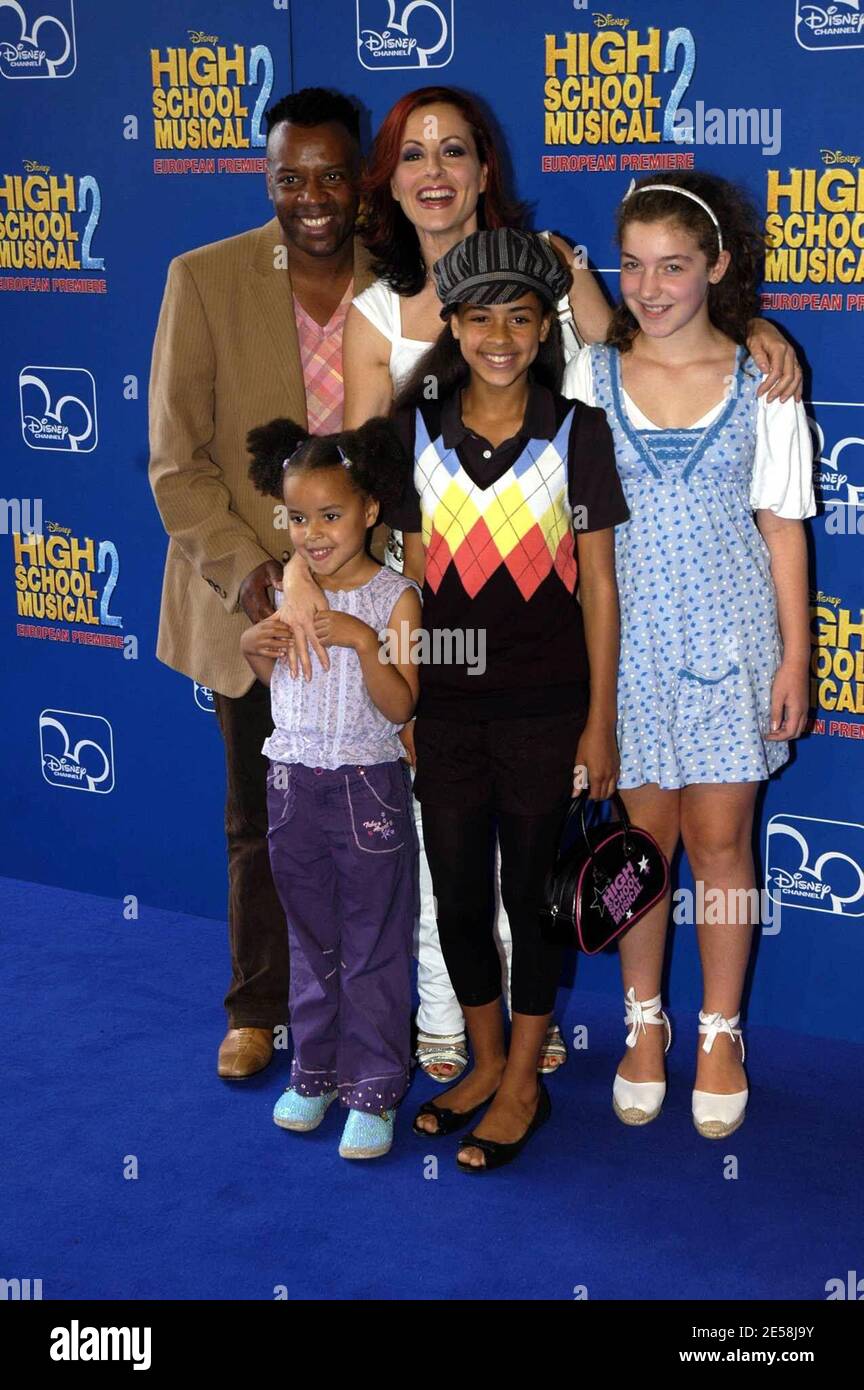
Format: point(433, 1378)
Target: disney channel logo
point(384, 45)
point(419, 35)
point(838, 469)
point(77, 750)
point(23, 57)
point(816, 865)
point(799, 884)
point(45, 430)
point(58, 408)
point(821, 27)
point(39, 45)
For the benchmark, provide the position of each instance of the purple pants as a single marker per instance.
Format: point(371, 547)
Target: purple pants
point(343, 852)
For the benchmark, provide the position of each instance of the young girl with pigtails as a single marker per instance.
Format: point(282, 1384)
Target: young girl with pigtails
point(342, 841)
point(713, 587)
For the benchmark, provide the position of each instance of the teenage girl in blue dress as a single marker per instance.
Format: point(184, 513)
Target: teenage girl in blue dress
point(712, 576)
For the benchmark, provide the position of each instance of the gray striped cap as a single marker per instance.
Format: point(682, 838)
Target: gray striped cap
point(498, 267)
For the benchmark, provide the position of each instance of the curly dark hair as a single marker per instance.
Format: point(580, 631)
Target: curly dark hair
point(374, 462)
point(734, 300)
point(445, 367)
point(390, 237)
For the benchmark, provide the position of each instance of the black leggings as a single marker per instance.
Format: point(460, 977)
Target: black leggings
point(460, 847)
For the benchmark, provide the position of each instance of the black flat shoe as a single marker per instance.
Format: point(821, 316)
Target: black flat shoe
point(498, 1154)
point(448, 1120)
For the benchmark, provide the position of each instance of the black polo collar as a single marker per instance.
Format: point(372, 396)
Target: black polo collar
point(539, 422)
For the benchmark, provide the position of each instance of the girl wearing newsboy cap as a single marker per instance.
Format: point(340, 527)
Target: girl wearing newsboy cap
point(510, 501)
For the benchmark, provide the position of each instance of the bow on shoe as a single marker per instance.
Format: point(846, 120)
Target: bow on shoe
point(712, 1025)
point(639, 1013)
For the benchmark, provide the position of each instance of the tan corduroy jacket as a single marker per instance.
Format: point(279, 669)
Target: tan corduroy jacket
point(226, 357)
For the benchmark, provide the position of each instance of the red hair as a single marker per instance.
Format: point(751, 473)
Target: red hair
point(389, 236)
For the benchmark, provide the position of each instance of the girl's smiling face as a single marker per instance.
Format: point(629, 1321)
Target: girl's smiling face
point(438, 178)
point(500, 341)
point(665, 276)
point(327, 517)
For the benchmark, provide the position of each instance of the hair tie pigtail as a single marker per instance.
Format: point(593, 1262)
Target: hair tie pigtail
point(272, 447)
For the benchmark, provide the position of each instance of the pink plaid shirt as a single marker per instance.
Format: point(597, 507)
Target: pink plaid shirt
point(321, 355)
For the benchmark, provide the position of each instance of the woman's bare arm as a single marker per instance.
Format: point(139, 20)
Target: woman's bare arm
point(790, 694)
point(775, 356)
point(590, 309)
point(365, 369)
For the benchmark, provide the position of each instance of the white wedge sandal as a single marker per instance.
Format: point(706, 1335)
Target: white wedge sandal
point(639, 1102)
point(716, 1116)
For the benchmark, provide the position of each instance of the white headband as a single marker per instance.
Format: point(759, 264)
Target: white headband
point(685, 193)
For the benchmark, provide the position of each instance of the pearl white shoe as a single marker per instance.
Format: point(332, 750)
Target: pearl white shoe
point(716, 1116)
point(639, 1102)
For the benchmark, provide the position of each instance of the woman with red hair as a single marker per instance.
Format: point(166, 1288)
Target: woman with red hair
point(433, 177)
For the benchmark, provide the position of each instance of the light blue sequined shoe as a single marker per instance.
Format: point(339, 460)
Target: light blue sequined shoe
point(302, 1113)
point(366, 1135)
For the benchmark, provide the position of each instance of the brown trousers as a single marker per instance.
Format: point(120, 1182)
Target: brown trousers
point(258, 933)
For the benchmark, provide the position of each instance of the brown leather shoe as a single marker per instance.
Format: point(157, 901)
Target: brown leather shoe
point(244, 1051)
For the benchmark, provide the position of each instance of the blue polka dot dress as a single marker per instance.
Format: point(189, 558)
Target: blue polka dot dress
point(700, 643)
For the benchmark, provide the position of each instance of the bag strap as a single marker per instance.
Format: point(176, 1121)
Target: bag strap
point(564, 312)
point(578, 805)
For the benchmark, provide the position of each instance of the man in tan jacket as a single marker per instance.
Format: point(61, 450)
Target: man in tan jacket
point(250, 329)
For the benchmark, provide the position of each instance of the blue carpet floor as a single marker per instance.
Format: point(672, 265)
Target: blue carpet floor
point(110, 1037)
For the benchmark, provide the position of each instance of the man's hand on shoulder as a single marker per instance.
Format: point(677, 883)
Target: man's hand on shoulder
point(253, 597)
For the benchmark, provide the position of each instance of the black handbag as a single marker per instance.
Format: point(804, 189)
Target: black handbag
point(603, 882)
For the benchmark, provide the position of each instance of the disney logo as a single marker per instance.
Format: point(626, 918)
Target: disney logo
point(42, 429)
point(832, 18)
point(609, 21)
point(383, 44)
point(33, 168)
point(827, 598)
point(797, 884)
point(56, 529)
point(64, 767)
point(17, 53)
point(837, 157)
point(832, 480)
point(198, 36)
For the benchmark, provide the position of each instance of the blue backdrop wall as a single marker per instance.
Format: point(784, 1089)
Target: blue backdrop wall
point(130, 133)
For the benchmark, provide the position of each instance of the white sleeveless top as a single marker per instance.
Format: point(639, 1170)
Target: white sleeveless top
point(331, 720)
point(382, 307)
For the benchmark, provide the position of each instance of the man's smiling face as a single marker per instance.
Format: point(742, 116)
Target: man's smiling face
point(313, 179)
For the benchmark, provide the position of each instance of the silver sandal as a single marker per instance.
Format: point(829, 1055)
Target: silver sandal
point(553, 1046)
point(437, 1050)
